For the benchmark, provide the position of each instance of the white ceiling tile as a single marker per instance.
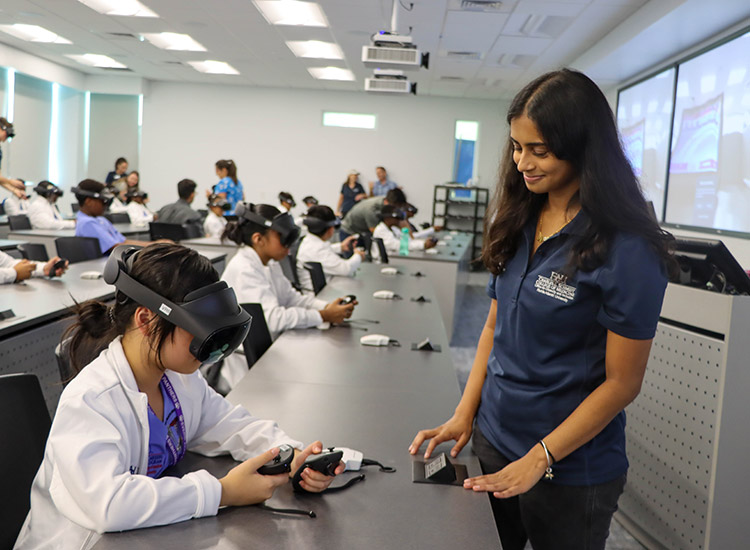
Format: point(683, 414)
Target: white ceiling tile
point(474, 31)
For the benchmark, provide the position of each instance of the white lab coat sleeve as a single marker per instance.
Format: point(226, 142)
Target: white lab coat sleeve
point(7, 273)
point(333, 264)
point(293, 309)
point(416, 244)
point(42, 216)
point(91, 482)
point(424, 233)
point(392, 244)
point(226, 428)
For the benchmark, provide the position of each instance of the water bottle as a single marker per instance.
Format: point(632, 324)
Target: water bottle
point(404, 247)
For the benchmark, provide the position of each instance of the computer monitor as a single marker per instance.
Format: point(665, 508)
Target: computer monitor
point(707, 264)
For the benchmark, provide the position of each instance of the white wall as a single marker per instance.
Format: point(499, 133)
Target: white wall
point(29, 150)
point(113, 133)
point(277, 140)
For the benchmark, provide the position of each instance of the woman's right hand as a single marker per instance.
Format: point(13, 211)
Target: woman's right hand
point(336, 312)
point(243, 485)
point(458, 428)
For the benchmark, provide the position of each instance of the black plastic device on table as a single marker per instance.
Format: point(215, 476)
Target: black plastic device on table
point(348, 299)
point(325, 463)
point(707, 264)
point(279, 464)
point(59, 264)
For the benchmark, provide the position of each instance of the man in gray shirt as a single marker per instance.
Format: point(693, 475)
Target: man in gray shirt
point(180, 212)
point(365, 215)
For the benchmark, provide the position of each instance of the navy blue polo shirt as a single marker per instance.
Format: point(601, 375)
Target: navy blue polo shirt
point(549, 344)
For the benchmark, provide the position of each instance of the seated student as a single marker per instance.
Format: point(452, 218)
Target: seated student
point(215, 222)
point(286, 200)
point(365, 215)
point(119, 189)
point(321, 223)
point(257, 279)
point(310, 201)
point(180, 211)
point(416, 233)
point(43, 212)
point(94, 198)
point(121, 168)
point(138, 403)
point(395, 218)
point(137, 210)
point(15, 271)
point(16, 205)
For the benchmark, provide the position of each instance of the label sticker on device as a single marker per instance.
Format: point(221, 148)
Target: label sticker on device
point(165, 309)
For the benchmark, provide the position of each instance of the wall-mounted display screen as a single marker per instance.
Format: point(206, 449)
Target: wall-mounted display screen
point(644, 117)
point(709, 168)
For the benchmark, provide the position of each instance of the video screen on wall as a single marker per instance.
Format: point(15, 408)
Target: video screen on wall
point(709, 167)
point(644, 116)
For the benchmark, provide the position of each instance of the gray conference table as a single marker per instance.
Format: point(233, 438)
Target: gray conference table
point(42, 313)
point(447, 269)
point(47, 236)
point(327, 386)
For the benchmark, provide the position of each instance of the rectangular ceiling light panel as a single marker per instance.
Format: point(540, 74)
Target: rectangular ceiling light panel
point(33, 33)
point(292, 12)
point(315, 49)
point(331, 73)
point(127, 8)
point(96, 60)
point(174, 41)
point(213, 67)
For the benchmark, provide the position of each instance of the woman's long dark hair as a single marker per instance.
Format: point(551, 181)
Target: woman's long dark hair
point(170, 270)
point(230, 167)
point(242, 231)
point(578, 126)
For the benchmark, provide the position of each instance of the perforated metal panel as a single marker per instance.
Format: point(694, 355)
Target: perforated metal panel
point(34, 351)
point(670, 436)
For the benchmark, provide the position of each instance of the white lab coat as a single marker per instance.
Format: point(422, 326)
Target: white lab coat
point(8, 274)
point(14, 206)
point(92, 479)
point(391, 242)
point(45, 215)
point(314, 249)
point(283, 307)
point(213, 225)
point(139, 213)
point(117, 206)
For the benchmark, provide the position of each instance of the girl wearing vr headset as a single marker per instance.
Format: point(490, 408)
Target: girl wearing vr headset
point(321, 224)
point(229, 186)
point(137, 210)
point(215, 221)
point(395, 218)
point(43, 212)
point(267, 235)
point(138, 403)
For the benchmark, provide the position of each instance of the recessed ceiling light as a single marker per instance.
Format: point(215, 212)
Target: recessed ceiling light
point(34, 33)
point(331, 73)
point(315, 49)
point(292, 12)
point(174, 41)
point(213, 67)
point(96, 60)
point(128, 8)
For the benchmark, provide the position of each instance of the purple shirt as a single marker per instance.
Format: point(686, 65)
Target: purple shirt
point(100, 228)
point(159, 457)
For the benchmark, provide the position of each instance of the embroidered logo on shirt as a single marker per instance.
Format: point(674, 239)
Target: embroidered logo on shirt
point(555, 286)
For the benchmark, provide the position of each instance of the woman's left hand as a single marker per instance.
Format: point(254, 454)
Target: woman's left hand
point(515, 479)
point(312, 481)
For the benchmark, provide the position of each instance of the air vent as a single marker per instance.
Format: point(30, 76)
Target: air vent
point(406, 56)
point(483, 5)
point(466, 56)
point(122, 35)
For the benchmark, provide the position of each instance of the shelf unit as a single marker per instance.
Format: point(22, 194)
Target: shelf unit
point(461, 208)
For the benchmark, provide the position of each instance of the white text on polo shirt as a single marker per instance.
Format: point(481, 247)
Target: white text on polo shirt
point(555, 286)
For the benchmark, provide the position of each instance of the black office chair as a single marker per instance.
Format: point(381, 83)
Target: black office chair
point(366, 239)
point(118, 217)
point(24, 427)
point(36, 252)
point(259, 338)
point(19, 222)
point(381, 249)
point(15, 253)
point(194, 230)
point(317, 275)
point(289, 268)
point(78, 249)
point(173, 231)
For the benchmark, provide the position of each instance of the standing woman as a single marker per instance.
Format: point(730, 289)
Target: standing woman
point(120, 171)
point(351, 193)
point(578, 274)
point(229, 186)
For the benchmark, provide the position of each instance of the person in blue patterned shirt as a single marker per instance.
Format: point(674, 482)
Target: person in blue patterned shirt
point(229, 186)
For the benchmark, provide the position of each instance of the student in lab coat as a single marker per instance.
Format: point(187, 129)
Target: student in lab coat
point(215, 222)
point(322, 223)
point(265, 235)
point(15, 271)
point(287, 202)
point(16, 205)
point(395, 218)
point(137, 210)
point(43, 212)
point(138, 403)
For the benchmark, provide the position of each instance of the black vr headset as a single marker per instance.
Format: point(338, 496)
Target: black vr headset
point(288, 198)
point(282, 223)
point(397, 213)
point(48, 189)
point(211, 314)
point(310, 200)
point(411, 209)
point(135, 193)
point(317, 225)
point(218, 200)
point(9, 131)
point(105, 195)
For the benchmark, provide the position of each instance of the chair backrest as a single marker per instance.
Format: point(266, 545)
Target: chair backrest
point(2, 208)
point(78, 249)
point(15, 253)
point(366, 239)
point(194, 230)
point(289, 268)
point(36, 252)
point(259, 338)
point(63, 361)
point(317, 275)
point(294, 249)
point(118, 217)
point(172, 231)
point(24, 427)
point(21, 221)
point(381, 249)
